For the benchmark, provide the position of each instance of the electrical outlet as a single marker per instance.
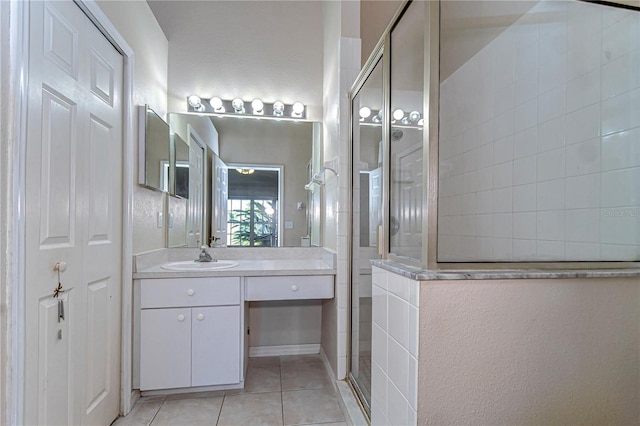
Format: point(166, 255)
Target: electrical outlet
point(160, 220)
point(288, 224)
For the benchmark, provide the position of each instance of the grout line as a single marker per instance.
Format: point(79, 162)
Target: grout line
point(224, 397)
point(157, 411)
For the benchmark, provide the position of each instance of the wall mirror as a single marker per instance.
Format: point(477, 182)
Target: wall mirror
point(242, 200)
point(154, 150)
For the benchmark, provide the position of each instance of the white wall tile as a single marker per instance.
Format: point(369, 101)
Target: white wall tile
point(621, 150)
point(582, 192)
point(550, 225)
point(414, 293)
point(621, 75)
point(414, 335)
point(412, 395)
point(525, 143)
point(619, 252)
point(551, 104)
point(502, 225)
point(524, 225)
point(583, 124)
point(524, 171)
point(398, 320)
point(550, 250)
point(551, 134)
point(484, 225)
point(379, 346)
point(503, 150)
point(502, 249)
point(525, 115)
point(620, 188)
point(581, 55)
point(399, 286)
point(583, 90)
point(621, 226)
point(379, 307)
point(551, 75)
point(378, 395)
point(621, 112)
point(583, 158)
point(398, 367)
point(525, 87)
point(524, 249)
point(551, 165)
point(398, 407)
point(582, 251)
point(582, 225)
point(524, 198)
point(550, 195)
point(503, 98)
point(503, 200)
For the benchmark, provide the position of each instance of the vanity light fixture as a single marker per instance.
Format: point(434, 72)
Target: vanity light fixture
point(297, 109)
point(238, 105)
point(216, 104)
point(364, 112)
point(398, 114)
point(258, 107)
point(278, 109)
point(245, 171)
point(195, 102)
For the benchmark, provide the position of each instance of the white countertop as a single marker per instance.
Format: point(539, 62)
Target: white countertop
point(247, 268)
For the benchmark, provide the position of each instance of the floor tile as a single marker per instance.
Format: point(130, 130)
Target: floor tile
point(260, 380)
point(196, 411)
point(304, 376)
point(300, 359)
point(252, 409)
point(141, 415)
point(311, 406)
point(264, 361)
point(192, 395)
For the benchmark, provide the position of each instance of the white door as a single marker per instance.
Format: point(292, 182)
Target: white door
point(195, 223)
point(73, 215)
point(220, 196)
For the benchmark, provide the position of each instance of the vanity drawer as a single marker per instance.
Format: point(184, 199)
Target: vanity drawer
point(178, 292)
point(289, 287)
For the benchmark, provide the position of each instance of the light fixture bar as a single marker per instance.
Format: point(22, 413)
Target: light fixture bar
point(251, 108)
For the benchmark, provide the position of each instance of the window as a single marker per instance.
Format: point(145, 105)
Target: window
point(252, 222)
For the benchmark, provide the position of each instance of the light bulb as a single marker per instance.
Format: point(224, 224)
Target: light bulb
point(269, 210)
point(376, 119)
point(365, 112)
point(216, 104)
point(405, 121)
point(257, 106)
point(421, 122)
point(398, 114)
point(238, 105)
point(414, 116)
point(297, 108)
point(194, 101)
point(278, 108)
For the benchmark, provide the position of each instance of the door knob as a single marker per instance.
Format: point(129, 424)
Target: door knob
point(60, 266)
point(191, 292)
point(200, 317)
point(180, 317)
point(294, 288)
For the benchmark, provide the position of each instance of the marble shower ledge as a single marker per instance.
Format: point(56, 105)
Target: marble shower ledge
point(419, 274)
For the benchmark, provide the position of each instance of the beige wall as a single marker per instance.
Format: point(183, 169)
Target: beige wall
point(375, 16)
point(530, 352)
point(138, 26)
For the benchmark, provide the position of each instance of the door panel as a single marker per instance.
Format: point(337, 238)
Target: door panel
point(58, 180)
point(73, 200)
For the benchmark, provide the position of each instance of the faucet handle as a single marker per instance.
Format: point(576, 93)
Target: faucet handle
point(204, 248)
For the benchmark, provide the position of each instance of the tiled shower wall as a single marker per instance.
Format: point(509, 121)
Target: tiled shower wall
point(394, 349)
point(540, 140)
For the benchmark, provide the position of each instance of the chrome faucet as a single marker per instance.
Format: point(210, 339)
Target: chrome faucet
point(204, 256)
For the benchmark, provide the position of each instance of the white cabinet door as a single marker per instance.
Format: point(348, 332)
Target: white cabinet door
point(165, 348)
point(215, 346)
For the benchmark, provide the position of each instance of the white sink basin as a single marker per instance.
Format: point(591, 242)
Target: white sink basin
point(190, 265)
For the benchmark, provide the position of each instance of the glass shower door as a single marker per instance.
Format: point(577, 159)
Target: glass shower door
point(367, 216)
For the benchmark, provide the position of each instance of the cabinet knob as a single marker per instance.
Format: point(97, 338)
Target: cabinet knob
point(180, 317)
point(191, 292)
point(200, 317)
point(294, 288)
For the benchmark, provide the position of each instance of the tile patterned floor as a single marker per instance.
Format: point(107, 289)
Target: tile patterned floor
point(286, 390)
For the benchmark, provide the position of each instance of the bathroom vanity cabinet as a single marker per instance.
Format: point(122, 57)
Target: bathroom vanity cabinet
point(190, 332)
